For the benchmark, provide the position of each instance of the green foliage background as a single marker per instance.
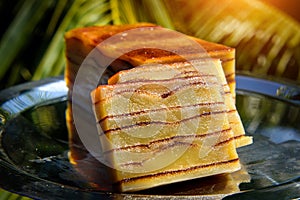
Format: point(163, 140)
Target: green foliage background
point(267, 41)
point(32, 46)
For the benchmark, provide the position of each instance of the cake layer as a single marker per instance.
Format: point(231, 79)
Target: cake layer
point(217, 187)
point(161, 128)
point(208, 70)
point(176, 128)
point(156, 104)
point(79, 42)
point(190, 165)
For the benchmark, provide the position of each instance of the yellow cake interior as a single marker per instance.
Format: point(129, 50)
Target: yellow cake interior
point(179, 126)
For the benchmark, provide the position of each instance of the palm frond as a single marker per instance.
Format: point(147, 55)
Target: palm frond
point(97, 12)
point(274, 52)
point(81, 13)
point(115, 14)
point(266, 40)
point(20, 29)
point(5, 195)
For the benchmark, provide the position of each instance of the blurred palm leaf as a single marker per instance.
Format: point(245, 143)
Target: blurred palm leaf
point(20, 29)
point(266, 40)
point(32, 46)
point(97, 12)
point(65, 15)
point(253, 28)
point(5, 195)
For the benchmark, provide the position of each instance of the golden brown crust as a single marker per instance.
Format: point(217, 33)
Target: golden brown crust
point(92, 36)
point(223, 159)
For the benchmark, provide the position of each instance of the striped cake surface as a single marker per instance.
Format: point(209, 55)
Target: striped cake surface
point(165, 130)
point(160, 118)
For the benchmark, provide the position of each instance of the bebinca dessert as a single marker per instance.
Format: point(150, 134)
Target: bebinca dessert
point(81, 41)
point(162, 117)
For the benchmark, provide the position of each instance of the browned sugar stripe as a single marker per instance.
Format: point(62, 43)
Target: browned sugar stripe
point(158, 110)
point(175, 144)
point(188, 78)
point(227, 60)
point(164, 95)
point(230, 75)
point(231, 81)
point(227, 92)
point(71, 60)
point(165, 80)
point(229, 140)
point(230, 78)
point(231, 111)
point(163, 123)
point(148, 146)
point(193, 72)
point(186, 73)
point(172, 172)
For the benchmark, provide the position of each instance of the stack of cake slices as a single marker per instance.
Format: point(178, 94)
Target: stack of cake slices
point(160, 118)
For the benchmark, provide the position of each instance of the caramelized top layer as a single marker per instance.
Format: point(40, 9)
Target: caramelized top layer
point(148, 44)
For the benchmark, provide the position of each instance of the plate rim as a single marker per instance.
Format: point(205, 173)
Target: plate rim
point(13, 92)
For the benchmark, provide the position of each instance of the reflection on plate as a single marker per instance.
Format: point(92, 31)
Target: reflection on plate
point(34, 145)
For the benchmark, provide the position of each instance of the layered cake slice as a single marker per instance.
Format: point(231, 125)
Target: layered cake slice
point(163, 131)
point(196, 68)
point(155, 127)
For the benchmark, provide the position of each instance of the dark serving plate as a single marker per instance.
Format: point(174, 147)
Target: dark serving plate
point(34, 145)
